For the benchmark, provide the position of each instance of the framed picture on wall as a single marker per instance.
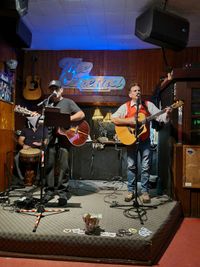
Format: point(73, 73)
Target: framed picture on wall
point(6, 89)
point(191, 171)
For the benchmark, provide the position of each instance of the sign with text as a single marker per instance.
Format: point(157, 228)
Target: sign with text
point(75, 74)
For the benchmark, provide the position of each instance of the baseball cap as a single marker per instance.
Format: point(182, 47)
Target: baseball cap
point(55, 83)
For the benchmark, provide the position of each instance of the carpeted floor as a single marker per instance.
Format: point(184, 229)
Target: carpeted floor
point(125, 234)
point(183, 251)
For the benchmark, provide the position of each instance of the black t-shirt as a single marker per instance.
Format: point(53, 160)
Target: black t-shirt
point(66, 106)
point(33, 136)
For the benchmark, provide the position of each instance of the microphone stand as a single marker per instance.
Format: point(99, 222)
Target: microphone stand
point(139, 210)
point(136, 205)
point(40, 207)
point(45, 102)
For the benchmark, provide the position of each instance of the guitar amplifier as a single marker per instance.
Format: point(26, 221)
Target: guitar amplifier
point(191, 170)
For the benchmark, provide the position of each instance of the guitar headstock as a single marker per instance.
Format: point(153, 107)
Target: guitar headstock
point(177, 104)
point(22, 110)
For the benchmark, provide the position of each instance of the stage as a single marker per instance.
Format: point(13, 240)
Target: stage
point(122, 235)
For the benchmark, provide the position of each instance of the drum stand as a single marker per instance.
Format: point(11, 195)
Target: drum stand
point(51, 117)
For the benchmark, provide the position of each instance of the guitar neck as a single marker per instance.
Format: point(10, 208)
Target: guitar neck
point(178, 104)
point(152, 117)
point(34, 59)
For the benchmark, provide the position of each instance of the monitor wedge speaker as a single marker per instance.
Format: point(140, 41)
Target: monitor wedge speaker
point(163, 29)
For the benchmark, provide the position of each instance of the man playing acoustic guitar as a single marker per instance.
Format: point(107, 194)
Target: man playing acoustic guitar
point(57, 150)
point(129, 115)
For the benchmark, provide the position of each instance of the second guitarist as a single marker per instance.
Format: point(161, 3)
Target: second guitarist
point(126, 116)
point(57, 163)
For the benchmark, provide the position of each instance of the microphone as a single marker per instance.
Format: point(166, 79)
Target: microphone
point(138, 98)
point(46, 100)
point(53, 94)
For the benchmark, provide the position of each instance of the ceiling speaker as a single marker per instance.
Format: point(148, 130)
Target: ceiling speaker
point(16, 32)
point(11, 7)
point(162, 28)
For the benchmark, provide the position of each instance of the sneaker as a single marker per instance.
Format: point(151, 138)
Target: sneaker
point(145, 197)
point(129, 196)
point(47, 197)
point(62, 202)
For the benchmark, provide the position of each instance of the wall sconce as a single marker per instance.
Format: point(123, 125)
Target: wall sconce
point(97, 115)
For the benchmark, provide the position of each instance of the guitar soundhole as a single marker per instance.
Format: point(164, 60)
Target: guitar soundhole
point(34, 85)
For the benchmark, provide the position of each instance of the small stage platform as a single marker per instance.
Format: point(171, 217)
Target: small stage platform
point(122, 236)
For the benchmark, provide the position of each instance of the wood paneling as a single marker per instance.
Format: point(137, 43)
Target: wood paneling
point(143, 66)
point(6, 143)
point(6, 125)
point(189, 198)
point(181, 194)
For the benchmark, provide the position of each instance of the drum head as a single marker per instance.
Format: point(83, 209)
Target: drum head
point(30, 152)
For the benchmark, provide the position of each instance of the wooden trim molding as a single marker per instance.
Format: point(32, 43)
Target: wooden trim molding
point(98, 100)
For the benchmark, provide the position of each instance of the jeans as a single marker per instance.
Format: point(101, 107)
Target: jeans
point(132, 165)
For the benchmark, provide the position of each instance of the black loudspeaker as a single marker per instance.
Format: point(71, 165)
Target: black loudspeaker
point(16, 32)
point(24, 34)
point(11, 7)
point(162, 28)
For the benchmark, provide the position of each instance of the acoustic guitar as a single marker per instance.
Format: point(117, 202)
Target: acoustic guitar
point(32, 90)
point(76, 135)
point(127, 134)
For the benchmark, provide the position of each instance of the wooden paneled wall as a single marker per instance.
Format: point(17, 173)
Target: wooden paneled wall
point(6, 144)
point(143, 66)
point(6, 125)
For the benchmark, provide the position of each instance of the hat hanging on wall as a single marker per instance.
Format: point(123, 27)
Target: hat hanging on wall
point(11, 64)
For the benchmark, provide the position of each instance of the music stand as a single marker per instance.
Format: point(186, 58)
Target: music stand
point(54, 118)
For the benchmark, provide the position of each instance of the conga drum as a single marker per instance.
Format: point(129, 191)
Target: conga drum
point(30, 160)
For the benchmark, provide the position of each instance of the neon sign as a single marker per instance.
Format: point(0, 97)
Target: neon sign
point(75, 74)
